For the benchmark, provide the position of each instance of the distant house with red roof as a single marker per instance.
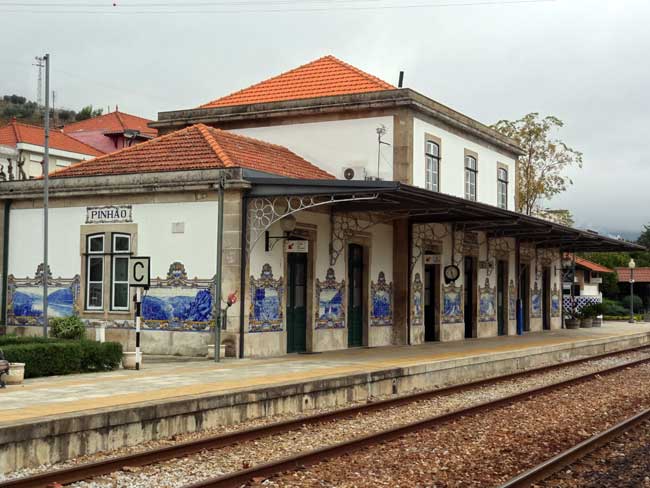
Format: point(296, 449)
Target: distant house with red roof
point(111, 131)
point(22, 149)
point(588, 277)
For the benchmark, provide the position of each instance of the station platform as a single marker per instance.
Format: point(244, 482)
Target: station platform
point(47, 420)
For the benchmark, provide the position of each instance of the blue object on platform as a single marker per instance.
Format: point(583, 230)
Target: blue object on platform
point(520, 318)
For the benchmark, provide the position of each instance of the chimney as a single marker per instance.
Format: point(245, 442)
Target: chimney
point(400, 84)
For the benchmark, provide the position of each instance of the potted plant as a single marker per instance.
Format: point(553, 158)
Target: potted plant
point(599, 311)
point(586, 315)
point(572, 321)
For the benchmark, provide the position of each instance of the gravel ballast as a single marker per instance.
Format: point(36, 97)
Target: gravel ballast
point(622, 463)
point(489, 448)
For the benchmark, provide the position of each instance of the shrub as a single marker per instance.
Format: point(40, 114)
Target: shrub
point(612, 307)
point(64, 357)
point(14, 339)
point(637, 303)
point(67, 327)
point(100, 356)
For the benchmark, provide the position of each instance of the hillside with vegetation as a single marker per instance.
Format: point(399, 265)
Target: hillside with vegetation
point(29, 112)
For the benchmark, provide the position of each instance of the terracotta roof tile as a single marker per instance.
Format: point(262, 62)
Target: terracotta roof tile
point(599, 268)
point(198, 147)
point(327, 76)
point(16, 132)
point(112, 122)
point(641, 275)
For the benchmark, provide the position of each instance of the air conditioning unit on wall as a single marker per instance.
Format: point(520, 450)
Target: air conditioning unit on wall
point(353, 173)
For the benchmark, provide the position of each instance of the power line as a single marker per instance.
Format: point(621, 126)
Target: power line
point(118, 11)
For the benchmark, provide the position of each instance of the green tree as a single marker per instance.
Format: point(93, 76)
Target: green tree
point(540, 171)
point(87, 113)
point(644, 238)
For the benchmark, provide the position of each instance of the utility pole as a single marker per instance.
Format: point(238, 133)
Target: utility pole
point(46, 182)
point(39, 88)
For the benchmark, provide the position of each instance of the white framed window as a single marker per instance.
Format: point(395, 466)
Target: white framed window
point(502, 188)
point(432, 166)
point(471, 174)
point(95, 272)
point(121, 250)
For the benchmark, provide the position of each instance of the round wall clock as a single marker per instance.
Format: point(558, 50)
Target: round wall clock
point(451, 273)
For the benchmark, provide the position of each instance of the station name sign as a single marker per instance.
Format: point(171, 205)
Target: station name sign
point(109, 214)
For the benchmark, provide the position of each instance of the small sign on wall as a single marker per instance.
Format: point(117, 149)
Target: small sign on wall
point(597, 281)
point(296, 246)
point(109, 214)
point(432, 259)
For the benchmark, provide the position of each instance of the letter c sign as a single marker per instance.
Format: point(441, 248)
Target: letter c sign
point(139, 271)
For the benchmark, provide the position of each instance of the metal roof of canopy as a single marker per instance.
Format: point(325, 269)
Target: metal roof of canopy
point(424, 206)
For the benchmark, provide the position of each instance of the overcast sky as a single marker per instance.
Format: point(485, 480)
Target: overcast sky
point(585, 61)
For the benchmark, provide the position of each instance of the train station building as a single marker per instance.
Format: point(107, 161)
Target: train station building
point(355, 214)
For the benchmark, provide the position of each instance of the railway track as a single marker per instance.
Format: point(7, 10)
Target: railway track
point(553, 465)
point(238, 478)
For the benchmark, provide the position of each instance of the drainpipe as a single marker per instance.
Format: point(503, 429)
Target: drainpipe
point(520, 312)
point(5, 259)
point(242, 272)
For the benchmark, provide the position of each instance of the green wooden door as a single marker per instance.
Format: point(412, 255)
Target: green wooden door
point(296, 302)
point(355, 295)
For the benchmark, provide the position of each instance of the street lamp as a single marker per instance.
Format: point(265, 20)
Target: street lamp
point(631, 265)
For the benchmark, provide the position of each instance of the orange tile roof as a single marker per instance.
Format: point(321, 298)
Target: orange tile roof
point(15, 132)
point(198, 147)
point(112, 122)
point(641, 275)
point(599, 268)
point(326, 76)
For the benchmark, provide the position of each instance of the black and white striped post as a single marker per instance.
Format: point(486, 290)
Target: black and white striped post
point(139, 274)
point(138, 318)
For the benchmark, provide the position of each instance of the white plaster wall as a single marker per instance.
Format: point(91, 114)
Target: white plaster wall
point(196, 248)
point(452, 164)
point(335, 145)
point(26, 241)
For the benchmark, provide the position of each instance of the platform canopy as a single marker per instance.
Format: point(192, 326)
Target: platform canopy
point(399, 200)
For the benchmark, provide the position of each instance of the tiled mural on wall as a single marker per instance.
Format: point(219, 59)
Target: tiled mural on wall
point(452, 304)
point(25, 297)
point(266, 302)
point(417, 308)
point(512, 301)
point(381, 301)
point(178, 303)
point(555, 301)
point(329, 296)
point(536, 302)
point(487, 302)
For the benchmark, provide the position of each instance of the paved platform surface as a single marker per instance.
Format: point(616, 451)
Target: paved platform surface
point(161, 380)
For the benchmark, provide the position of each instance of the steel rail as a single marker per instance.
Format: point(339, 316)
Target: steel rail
point(301, 460)
point(98, 468)
point(551, 466)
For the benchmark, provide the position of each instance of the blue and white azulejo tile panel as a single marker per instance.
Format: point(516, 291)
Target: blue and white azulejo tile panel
point(266, 302)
